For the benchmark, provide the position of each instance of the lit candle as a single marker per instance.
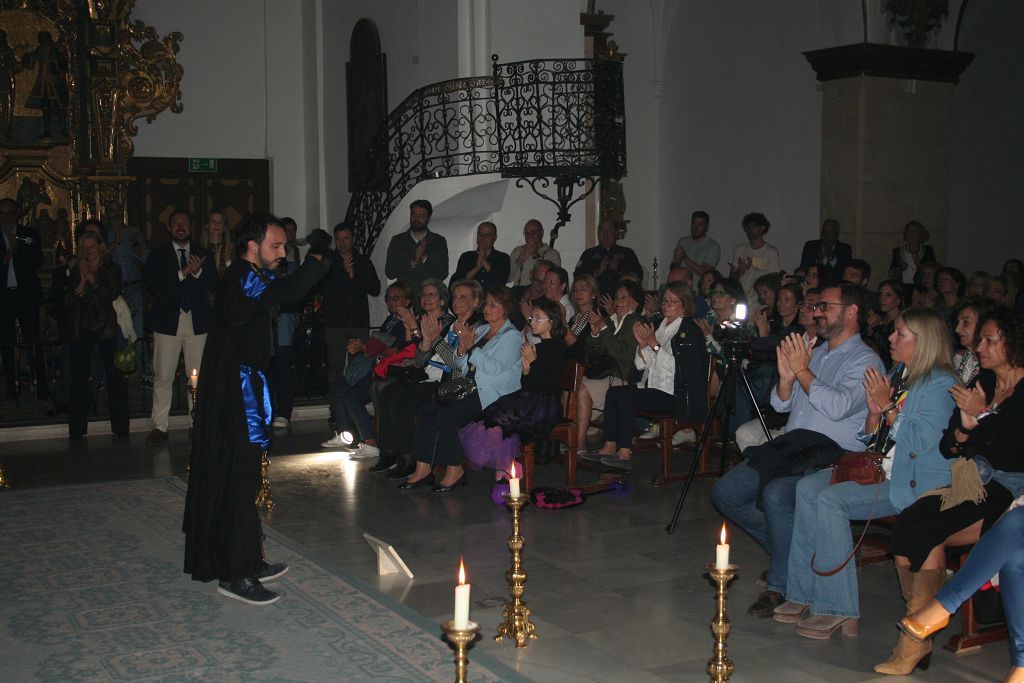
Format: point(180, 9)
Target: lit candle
point(193, 380)
point(462, 600)
point(513, 481)
point(722, 552)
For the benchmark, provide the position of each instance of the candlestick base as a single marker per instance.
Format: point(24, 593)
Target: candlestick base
point(460, 640)
point(3, 479)
point(720, 667)
point(516, 615)
point(265, 497)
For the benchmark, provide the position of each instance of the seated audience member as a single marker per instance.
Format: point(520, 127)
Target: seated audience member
point(771, 330)
point(767, 288)
point(485, 264)
point(698, 253)
point(584, 299)
point(1013, 270)
point(913, 253)
point(812, 279)
point(821, 389)
point(608, 261)
point(396, 398)
point(92, 287)
point(1000, 289)
point(984, 436)
point(491, 352)
point(977, 283)
point(525, 257)
point(525, 295)
point(918, 296)
point(703, 295)
point(926, 277)
point(906, 413)
point(673, 360)
point(610, 349)
point(1000, 550)
point(950, 285)
point(882, 322)
point(968, 332)
point(495, 438)
point(556, 285)
point(725, 294)
point(652, 307)
point(755, 257)
point(857, 272)
point(827, 253)
point(349, 395)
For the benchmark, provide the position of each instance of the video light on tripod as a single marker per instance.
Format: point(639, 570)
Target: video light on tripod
point(741, 311)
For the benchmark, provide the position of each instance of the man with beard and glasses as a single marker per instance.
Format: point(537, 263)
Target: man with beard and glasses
point(223, 537)
point(822, 390)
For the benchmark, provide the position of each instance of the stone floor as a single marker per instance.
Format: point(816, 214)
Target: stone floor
point(615, 598)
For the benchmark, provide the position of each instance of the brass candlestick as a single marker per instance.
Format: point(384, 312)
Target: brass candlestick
point(460, 639)
point(194, 391)
point(516, 615)
point(265, 498)
point(720, 667)
point(3, 479)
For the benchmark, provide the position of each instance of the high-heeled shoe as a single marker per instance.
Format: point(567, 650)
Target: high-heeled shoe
point(921, 632)
point(461, 481)
point(821, 627)
point(425, 481)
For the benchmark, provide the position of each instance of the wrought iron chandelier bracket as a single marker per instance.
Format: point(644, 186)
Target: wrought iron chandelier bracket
point(565, 188)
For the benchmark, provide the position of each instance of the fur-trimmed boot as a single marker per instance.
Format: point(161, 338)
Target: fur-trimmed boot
point(917, 588)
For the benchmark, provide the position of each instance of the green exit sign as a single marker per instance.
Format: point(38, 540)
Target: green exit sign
point(202, 165)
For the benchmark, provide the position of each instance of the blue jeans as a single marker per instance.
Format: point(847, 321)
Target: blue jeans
point(1001, 550)
point(821, 530)
point(349, 405)
point(735, 496)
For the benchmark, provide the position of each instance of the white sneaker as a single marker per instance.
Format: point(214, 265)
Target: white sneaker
point(364, 451)
point(280, 423)
point(653, 433)
point(684, 436)
point(336, 442)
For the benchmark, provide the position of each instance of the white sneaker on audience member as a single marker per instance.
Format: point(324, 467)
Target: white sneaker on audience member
point(364, 451)
point(684, 436)
point(280, 423)
point(337, 442)
point(653, 433)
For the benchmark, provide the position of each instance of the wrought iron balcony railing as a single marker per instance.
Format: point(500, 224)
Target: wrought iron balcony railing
point(536, 119)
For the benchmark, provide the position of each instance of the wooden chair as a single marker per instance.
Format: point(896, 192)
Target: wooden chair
point(972, 633)
point(668, 425)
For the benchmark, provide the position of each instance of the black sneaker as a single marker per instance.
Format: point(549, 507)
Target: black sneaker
point(269, 572)
point(250, 591)
point(765, 604)
point(402, 470)
point(385, 463)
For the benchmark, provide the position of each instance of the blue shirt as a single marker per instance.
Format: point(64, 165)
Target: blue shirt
point(836, 405)
point(123, 253)
point(499, 363)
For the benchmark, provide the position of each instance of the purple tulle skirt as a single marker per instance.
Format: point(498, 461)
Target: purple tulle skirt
point(494, 438)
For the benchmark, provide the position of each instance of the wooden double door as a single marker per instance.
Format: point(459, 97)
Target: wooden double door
point(238, 188)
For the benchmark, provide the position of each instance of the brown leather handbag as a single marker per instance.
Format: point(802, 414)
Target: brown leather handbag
point(862, 467)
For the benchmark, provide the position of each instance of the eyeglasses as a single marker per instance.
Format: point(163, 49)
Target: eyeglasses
point(823, 305)
point(539, 320)
point(718, 292)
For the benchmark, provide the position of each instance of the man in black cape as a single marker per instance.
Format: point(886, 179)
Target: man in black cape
point(223, 536)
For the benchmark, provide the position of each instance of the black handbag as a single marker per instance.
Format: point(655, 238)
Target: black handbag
point(454, 390)
point(599, 365)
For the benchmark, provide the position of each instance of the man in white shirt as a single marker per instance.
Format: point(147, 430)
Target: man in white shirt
point(756, 257)
point(699, 253)
point(525, 256)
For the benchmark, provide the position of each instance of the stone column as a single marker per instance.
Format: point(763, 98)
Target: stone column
point(885, 139)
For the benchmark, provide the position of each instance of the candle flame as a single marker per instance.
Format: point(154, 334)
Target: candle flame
point(512, 470)
point(462, 572)
point(195, 373)
point(723, 533)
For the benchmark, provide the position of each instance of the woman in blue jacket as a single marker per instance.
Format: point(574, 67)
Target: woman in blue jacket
point(906, 414)
point(491, 352)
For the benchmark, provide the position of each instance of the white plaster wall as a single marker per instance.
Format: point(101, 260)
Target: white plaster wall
point(988, 136)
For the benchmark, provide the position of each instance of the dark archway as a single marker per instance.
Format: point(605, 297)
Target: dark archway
point(367, 93)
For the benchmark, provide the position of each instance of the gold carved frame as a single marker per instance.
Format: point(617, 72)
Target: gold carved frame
point(70, 103)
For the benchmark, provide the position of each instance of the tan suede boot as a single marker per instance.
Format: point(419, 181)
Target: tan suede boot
point(917, 590)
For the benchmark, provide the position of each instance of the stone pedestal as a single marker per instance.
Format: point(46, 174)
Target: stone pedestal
point(886, 119)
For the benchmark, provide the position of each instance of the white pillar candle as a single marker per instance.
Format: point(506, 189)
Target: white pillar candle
point(722, 552)
point(462, 600)
point(193, 380)
point(513, 481)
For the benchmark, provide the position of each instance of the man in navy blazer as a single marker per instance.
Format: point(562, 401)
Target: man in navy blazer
point(21, 295)
point(828, 253)
point(180, 283)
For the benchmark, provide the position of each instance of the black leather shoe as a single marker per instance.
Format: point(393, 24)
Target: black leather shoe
point(269, 572)
point(403, 470)
point(385, 463)
point(461, 481)
point(425, 481)
point(250, 591)
point(765, 604)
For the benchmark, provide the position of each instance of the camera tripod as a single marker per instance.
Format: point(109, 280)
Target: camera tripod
point(725, 401)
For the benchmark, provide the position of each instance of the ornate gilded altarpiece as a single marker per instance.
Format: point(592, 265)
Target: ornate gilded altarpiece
point(75, 78)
